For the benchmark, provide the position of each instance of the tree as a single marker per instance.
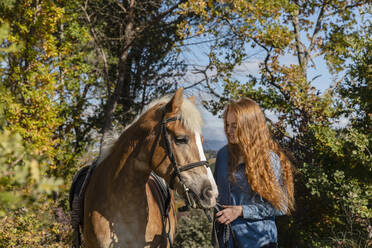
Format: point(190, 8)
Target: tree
point(74, 64)
point(306, 117)
point(43, 93)
point(135, 46)
point(47, 80)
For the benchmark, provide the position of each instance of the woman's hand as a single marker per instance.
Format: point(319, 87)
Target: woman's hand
point(229, 214)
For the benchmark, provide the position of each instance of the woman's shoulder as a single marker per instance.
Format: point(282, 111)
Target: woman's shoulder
point(222, 156)
point(224, 151)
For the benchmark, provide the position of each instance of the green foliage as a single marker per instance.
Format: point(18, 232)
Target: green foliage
point(333, 187)
point(55, 83)
point(38, 225)
point(344, 205)
point(137, 53)
point(21, 178)
point(35, 108)
point(193, 231)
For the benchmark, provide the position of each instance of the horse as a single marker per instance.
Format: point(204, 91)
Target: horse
point(121, 207)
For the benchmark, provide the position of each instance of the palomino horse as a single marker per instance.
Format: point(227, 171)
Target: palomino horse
point(120, 209)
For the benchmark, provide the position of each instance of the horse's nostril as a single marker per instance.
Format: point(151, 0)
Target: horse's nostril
point(207, 192)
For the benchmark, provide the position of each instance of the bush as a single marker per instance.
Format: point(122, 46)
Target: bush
point(193, 230)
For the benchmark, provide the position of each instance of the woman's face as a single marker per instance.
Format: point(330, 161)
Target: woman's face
point(231, 128)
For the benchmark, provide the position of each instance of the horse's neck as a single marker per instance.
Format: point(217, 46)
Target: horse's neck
point(130, 176)
point(128, 165)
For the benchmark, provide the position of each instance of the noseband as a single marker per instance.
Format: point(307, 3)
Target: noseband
point(176, 168)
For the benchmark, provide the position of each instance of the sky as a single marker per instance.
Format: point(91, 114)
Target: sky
point(213, 129)
point(213, 126)
point(196, 55)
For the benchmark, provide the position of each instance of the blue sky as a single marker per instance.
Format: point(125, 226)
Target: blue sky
point(213, 126)
point(197, 56)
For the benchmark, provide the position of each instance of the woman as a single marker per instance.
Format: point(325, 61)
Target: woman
point(254, 179)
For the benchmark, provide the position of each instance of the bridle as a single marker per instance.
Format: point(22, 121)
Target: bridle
point(176, 168)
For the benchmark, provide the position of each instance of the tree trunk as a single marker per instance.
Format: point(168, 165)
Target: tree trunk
point(112, 101)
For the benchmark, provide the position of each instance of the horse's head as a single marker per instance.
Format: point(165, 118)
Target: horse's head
point(177, 152)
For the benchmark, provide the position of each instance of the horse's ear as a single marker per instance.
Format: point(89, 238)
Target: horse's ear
point(192, 99)
point(175, 103)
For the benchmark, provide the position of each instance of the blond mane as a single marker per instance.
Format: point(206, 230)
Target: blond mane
point(189, 114)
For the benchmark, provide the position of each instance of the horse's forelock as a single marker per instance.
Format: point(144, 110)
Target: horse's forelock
point(190, 115)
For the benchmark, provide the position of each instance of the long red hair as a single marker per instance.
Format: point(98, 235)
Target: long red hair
point(255, 144)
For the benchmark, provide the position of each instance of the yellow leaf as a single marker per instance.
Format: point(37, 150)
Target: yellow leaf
point(34, 169)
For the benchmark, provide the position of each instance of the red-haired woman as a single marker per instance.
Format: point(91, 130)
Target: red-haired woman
point(254, 179)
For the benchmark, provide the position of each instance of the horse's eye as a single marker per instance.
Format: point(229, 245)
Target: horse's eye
point(181, 139)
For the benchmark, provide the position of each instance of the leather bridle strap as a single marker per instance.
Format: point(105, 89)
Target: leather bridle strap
point(168, 148)
point(176, 169)
point(185, 168)
point(158, 135)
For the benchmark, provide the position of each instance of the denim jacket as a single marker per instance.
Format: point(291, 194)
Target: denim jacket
point(256, 227)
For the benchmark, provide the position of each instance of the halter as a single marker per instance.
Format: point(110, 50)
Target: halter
point(176, 168)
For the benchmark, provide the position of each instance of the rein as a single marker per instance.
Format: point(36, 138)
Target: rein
point(227, 230)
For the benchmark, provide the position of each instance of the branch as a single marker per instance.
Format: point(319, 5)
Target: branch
point(314, 78)
point(206, 79)
point(318, 26)
point(121, 6)
point(357, 4)
point(272, 79)
point(161, 15)
point(279, 130)
point(193, 85)
point(98, 47)
point(157, 18)
point(300, 52)
point(197, 43)
point(211, 89)
point(315, 55)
